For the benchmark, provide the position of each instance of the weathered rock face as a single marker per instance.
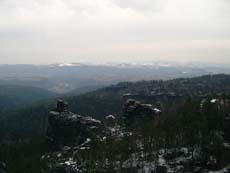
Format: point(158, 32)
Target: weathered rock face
point(136, 112)
point(67, 129)
point(110, 121)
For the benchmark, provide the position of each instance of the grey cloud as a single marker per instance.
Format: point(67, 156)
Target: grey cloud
point(63, 30)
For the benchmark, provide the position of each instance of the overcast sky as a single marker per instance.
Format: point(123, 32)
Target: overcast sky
point(55, 31)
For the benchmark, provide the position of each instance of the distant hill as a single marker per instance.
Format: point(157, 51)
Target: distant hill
point(31, 121)
point(63, 78)
point(108, 100)
point(14, 96)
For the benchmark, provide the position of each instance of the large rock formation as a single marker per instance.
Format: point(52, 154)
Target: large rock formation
point(67, 129)
point(135, 112)
point(110, 121)
point(84, 147)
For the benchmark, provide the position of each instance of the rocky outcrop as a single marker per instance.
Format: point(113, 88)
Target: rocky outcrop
point(67, 129)
point(85, 147)
point(135, 112)
point(110, 121)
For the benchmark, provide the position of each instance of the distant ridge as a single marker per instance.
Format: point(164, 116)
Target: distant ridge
point(30, 121)
point(14, 96)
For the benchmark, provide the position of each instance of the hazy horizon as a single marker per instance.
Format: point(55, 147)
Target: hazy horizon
point(114, 31)
point(164, 63)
